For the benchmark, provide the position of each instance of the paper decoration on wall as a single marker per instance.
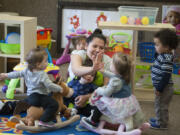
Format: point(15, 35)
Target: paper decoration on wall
point(101, 17)
point(75, 21)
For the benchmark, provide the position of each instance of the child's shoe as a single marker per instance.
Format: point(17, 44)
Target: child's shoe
point(157, 126)
point(88, 123)
point(152, 120)
point(73, 111)
point(49, 124)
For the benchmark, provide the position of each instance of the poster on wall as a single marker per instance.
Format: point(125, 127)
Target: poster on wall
point(74, 20)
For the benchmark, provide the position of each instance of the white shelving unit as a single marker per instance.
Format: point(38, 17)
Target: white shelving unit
point(28, 39)
point(141, 93)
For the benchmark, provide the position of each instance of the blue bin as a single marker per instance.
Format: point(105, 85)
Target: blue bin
point(146, 51)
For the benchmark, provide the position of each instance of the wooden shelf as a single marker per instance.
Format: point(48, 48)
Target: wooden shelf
point(141, 93)
point(9, 55)
point(28, 38)
point(139, 62)
point(118, 25)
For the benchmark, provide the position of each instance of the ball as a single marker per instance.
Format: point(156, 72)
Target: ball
point(131, 20)
point(123, 19)
point(138, 21)
point(145, 20)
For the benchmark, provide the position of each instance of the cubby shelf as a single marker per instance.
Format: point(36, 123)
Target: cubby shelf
point(28, 39)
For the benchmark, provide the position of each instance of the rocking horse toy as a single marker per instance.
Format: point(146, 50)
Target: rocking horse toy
point(30, 122)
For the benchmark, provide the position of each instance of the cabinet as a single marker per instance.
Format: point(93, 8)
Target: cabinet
point(28, 39)
point(140, 93)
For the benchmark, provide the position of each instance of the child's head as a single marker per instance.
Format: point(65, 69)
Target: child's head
point(121, 64)
point(79, 42)
point(173, 15)
point(37, 59)
point(165, 40)
point(87, 78)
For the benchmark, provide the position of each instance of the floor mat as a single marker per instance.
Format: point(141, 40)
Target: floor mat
point(72, 129)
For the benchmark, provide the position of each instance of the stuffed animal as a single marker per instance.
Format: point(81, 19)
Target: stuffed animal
point(30, 122)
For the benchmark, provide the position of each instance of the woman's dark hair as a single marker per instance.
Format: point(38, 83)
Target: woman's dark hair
point(168, 38)
point(35, 56)
point(96, 34)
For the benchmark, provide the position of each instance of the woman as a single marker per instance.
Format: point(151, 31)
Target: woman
point(94, 53)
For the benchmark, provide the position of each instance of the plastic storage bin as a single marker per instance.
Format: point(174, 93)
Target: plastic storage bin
point(138, 15)
point(147, 51)
point(10, 48)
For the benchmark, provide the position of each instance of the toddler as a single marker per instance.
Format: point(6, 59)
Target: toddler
point(114, 100)
point(165, 41)
point(79, 43)
point(81, 85)
point(38, 85)
point(173, 15)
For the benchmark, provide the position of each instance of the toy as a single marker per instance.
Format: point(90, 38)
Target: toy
point(118, 45)
point(44, 40)
point(131, 20)
point(123, 19)
point(30, 122)
point(11, 88)
point(138, 21)
point(145, 20)
point(65, 57)
point(106, 126)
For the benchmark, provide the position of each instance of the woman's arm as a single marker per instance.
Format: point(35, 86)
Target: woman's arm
point(80, 70)
point(77, 68)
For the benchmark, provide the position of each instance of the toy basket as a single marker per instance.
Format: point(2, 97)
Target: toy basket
point(10, 48)
point(146, 51)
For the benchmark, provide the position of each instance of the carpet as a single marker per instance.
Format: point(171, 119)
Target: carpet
point(7, 127)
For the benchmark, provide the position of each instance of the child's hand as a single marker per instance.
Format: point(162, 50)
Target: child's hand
point(97, 62)
point(3, 76)
point(157, 93)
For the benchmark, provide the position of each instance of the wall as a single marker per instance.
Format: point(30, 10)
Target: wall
point(46, 10)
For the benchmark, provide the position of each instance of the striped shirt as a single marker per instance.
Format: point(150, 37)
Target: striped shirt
point(161, 71)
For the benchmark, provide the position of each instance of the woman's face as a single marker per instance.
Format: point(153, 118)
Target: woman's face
point(94, 47)
point(173, 18)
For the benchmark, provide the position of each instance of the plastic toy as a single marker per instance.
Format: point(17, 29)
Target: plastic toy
point(65, 57)
point(131, 20)
point(123, 19)
point(11, 45)
point(145, 20)
point(11, 87)
point(105, 126)
point(118, 45)
point(30, 122)
point(138, 21)
point(44, 40)
point(4, 88)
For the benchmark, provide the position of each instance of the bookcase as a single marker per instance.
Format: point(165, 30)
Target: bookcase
point(28, 39)
point(141, 93)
